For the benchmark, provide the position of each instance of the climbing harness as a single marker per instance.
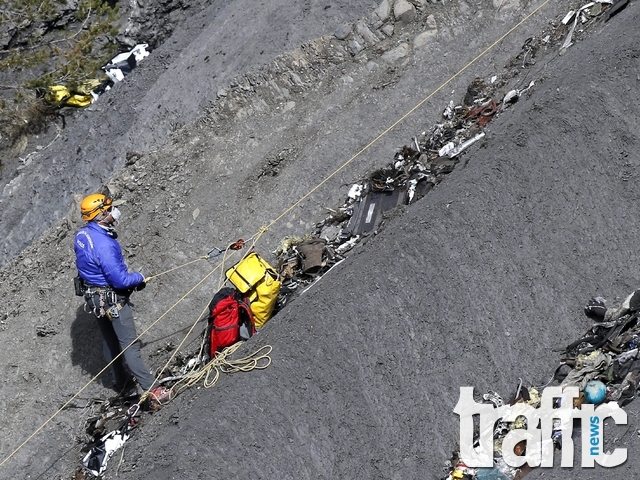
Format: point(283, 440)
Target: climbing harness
point(218, 363)
point(102, 301)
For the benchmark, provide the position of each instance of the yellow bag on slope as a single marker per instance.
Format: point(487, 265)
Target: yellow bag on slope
point(60, 95)
point(254, 277)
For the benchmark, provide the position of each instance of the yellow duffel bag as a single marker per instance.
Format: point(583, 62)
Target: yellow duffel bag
point(254, 277)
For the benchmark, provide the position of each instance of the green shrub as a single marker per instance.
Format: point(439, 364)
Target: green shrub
point(51, 54)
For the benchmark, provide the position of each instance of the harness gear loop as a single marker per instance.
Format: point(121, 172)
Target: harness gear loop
point(473, 61)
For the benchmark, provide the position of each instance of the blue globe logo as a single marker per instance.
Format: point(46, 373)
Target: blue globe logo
point(595, 392)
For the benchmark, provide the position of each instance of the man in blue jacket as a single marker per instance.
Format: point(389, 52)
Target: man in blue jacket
point(109, 284)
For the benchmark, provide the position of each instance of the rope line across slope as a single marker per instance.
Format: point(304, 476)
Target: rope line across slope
point(257, 356)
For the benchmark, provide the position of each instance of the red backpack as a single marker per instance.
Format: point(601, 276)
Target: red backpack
point(230, 320)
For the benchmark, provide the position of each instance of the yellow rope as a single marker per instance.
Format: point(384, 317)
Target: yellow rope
point(401, 119)
point(68, 402)
point(220, 266)
point(198, 374)
point(220, 363)
point(277, 219)
point(203, 257)
point(148, 279)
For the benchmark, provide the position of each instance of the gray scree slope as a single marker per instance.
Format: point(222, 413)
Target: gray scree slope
point(476, 284)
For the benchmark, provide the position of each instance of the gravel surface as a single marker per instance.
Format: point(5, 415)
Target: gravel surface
point(479, 283)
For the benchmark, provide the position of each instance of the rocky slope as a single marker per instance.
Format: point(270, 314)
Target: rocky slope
point(476, 284)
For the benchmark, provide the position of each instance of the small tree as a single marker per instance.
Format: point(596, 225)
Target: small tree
point(52, 42)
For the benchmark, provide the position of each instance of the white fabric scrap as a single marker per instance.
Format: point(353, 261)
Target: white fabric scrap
point(139, 52)
point(115, 74)
point(448, 112)
point(411, 191)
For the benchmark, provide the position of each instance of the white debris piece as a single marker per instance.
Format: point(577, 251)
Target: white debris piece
point(411, 190)
point(531, 84)
point(578, 14)
point(446, 149)
point(567, 18)
point(355, 191)
point(510, 97)
point(96, 462)
point(348, 245)
point(449, 111)
point(122, 64)
point(465, 145)
point(513, 95)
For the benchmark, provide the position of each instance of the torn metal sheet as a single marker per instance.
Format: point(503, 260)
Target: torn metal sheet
point(575, 15)
point(368, 212)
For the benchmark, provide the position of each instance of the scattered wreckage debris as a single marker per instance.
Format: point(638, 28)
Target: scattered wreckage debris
point(584, 14)
point(232, 317)
point(414, 171)
point(588, 13)
point(302, 261)
point(604, 364)
point(89, 91)
point(111, 422)
point(122, 64)
point(102, 449)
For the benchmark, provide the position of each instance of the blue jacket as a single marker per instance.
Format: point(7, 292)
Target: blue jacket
point(99, 259)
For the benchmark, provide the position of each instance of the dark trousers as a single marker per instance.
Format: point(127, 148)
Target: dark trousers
point(117, 334)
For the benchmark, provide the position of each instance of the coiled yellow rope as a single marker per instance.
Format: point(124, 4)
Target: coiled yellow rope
point(222, 363)
point(265, 228)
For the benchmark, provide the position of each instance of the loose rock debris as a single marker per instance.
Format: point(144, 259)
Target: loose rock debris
point(415, 169)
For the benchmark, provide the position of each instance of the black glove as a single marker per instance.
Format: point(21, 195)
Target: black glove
point(141, 286)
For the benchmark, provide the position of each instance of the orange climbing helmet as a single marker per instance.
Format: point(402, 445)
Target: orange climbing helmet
point(94, 205)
